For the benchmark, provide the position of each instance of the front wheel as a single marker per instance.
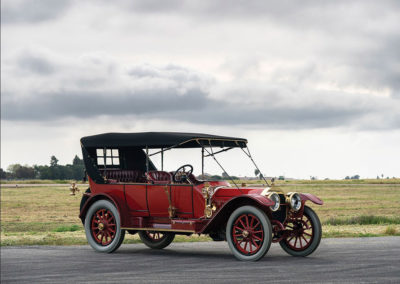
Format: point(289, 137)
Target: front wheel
point(249, 233)
point(103, 227)
point(303, 235)
point(156, 240)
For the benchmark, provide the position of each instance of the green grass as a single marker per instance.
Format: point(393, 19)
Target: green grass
point(39, 181)
point(325, 182)
point(391, 231)
point(363, 220)
point(277, 182)
point(72, 228)
point(49, 215)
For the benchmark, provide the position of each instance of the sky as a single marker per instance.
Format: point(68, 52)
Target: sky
point(313, 85)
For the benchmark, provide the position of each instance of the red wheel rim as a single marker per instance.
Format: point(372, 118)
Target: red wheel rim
point(103, 227)
point(248, 234)
point(155, 236)
point(300, 233)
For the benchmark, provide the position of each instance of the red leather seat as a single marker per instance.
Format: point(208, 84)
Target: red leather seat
point(159, 177)
point(124, 176)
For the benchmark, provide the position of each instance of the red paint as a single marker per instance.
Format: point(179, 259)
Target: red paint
point(311, 197)
point(146, 205)
point(182, 199)
point(157, 200)
point(136, 199)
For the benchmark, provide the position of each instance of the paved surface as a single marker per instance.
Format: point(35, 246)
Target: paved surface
point(354, 260)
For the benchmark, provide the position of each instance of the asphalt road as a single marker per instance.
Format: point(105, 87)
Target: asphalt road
point(353, 260)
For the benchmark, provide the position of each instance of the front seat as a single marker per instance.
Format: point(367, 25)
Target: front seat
point(159, 177)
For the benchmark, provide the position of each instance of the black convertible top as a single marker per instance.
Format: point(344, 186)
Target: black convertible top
point(160, 140)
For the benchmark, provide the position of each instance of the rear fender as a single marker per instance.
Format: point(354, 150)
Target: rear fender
point(93, 198)
point(311, 197)
point(221, 216)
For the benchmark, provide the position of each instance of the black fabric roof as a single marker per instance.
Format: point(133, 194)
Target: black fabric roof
point(160, 140)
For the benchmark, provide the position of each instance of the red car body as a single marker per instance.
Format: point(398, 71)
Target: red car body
point(151, 201)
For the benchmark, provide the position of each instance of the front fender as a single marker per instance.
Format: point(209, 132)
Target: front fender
point(223, 213)
point(311, 197)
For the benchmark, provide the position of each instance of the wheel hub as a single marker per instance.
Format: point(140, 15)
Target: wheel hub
point(245, 233)
point(101, 226)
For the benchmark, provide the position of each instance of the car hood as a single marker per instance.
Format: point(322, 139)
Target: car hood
point(233, 191)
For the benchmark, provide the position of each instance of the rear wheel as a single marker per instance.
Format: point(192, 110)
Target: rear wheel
point(303, 234)
point(156, 240)
point(103, 227)
point(249, 233)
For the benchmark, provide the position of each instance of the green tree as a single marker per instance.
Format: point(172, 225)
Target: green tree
point(215, 177)
point(53, 161)
point(21, 172)
point(78, 168)
point(77, 161)
point(3, 174)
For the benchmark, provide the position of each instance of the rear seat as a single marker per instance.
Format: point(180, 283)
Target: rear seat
point(124, 176)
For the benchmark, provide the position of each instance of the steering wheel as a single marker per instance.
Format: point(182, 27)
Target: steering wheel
point(181, 174)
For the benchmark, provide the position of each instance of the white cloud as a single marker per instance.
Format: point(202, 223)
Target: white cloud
point(266, 66)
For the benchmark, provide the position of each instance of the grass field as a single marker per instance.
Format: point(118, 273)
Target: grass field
point(49, 215)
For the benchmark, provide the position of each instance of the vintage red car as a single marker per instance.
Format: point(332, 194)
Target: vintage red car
point(128, 193)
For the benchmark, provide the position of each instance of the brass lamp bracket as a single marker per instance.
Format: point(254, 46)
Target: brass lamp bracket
point(171, 209)
point(209, 208)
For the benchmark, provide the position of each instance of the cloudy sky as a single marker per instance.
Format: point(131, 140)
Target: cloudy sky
point(313, 85)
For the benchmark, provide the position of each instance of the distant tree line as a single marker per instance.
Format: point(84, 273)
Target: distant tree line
point(353, 177)
point(54, 171)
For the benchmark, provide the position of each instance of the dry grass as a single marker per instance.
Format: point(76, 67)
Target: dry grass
point(49, 215)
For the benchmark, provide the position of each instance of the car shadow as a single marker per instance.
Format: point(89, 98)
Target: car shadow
point(273, 256)
point(175, 253)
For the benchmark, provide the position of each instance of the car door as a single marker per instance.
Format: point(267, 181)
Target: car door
point(157, 200)
point(182, 200)
point(135, 195)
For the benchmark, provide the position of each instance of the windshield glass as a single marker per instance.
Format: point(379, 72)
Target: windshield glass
point(234, 161)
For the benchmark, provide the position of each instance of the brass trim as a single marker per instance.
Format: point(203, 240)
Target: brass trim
point(268, 190)
point(171, 209)
point(209, 207)
point(158, 230)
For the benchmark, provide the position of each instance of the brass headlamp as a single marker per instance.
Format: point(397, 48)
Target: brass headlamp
point(294, 199)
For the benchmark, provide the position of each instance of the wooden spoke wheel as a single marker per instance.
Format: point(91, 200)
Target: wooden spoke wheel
point(155, 239)
point(102, 226)
point(248, 233)
point(302, 235)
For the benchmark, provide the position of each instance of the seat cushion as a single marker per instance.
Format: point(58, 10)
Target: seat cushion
point(123, 176)
point(159, 177)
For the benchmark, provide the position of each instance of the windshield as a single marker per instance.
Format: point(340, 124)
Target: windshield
point(208, 162)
